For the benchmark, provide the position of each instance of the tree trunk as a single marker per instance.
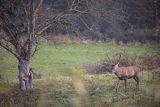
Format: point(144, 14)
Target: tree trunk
point(25, 81)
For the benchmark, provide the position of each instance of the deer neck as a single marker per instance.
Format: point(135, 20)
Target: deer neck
point(117, 69)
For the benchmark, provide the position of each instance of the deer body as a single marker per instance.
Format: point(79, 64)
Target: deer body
point(124, 73)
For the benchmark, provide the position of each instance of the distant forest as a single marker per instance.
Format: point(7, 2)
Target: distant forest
point(121, 20)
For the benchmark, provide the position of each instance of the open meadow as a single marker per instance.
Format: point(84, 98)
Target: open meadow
point(63, 80)
point(79, 53)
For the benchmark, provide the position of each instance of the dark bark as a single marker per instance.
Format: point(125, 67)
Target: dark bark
point(25, 81)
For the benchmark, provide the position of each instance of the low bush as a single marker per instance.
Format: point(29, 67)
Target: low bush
point(145, 62)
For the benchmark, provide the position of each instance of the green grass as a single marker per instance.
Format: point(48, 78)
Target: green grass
point(64, 57)
point(60, 60)
point(61, 66)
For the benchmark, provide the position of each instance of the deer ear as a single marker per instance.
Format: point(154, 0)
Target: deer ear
point(117, 64)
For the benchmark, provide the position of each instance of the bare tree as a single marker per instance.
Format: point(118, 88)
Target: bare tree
point(21, 24)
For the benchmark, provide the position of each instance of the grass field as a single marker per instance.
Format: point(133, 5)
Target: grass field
point(64, 82)
point(60, 60)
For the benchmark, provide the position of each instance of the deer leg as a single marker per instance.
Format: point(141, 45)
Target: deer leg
point(30, 83)
point(125, 84)
point(118, 84)
point(137, 80)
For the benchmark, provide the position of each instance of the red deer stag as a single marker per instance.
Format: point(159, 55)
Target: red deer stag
point(124, 73)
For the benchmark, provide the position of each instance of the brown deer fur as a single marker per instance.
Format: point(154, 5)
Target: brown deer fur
point(124, 73)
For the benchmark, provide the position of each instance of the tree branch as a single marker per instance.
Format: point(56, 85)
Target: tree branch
point(38, 6)
point(35, 50)
point(43, 29)
point(10, 50)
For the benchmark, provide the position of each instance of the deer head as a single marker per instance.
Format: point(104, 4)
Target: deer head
point(115, 67)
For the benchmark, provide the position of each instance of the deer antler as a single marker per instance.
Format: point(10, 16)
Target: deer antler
point(109, 59)
point(119, 58)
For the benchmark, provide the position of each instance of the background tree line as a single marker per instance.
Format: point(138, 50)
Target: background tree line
point(121, 20)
